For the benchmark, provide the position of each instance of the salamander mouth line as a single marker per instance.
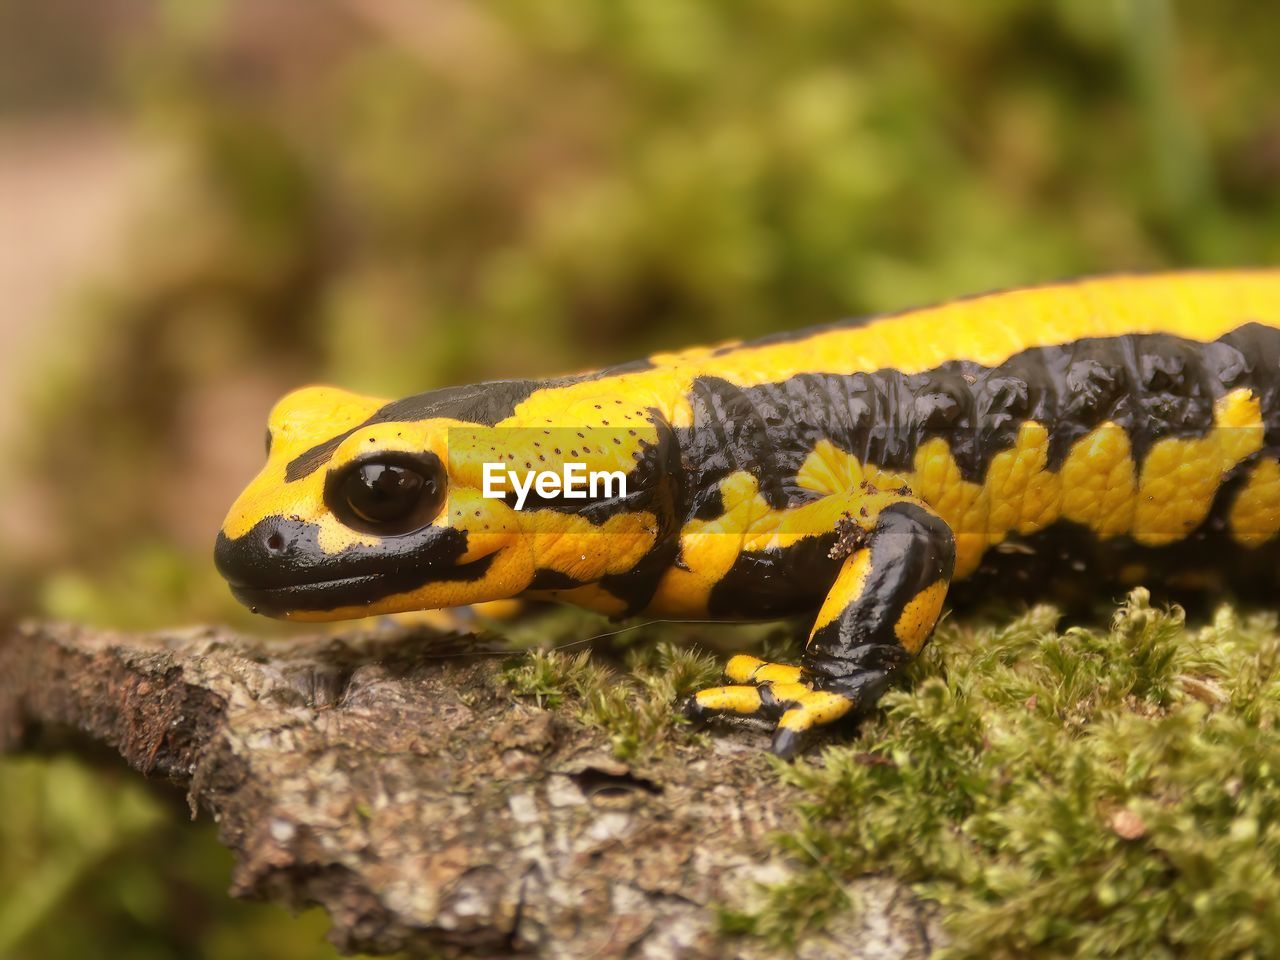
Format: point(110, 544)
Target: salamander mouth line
point(302, 587)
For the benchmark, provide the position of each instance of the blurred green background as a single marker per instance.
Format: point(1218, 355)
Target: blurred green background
point(204, 203)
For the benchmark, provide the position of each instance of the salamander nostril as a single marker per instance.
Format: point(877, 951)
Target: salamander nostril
point(275, 543)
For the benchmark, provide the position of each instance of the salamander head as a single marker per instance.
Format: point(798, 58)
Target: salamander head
point(356, 512)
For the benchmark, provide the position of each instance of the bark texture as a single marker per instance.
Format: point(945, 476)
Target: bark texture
point(392, 780)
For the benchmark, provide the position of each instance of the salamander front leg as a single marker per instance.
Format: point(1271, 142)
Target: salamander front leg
point(878, 614)
point(877, 617)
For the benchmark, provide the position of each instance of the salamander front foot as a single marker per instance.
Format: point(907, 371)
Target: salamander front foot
point(775, 693)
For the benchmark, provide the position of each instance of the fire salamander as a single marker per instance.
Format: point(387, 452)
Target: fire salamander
point(1095, 432)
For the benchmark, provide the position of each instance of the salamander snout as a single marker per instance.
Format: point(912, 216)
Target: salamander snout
point(260, 556)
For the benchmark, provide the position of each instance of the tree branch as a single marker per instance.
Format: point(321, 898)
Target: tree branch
point(397, 785)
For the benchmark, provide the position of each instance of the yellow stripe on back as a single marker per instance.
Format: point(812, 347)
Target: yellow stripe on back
point(985, 329)
point(989, 329)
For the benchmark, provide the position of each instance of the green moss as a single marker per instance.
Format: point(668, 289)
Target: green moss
point(1079, 792)
point(549, 676)
point(637, 709)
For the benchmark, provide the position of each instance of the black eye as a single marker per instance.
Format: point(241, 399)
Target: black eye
point(390, 495)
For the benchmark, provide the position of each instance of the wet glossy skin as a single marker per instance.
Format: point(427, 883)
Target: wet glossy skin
point(1129, 425)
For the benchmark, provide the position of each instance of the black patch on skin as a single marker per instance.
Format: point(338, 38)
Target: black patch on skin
point(769, 702)
point(776, 583)
point(278, 566)
point(485, 403)
point(308, 462)
point(731, 432)
point(636, 587)
point(707, 504)
point(544, 579)
point(1095, 385)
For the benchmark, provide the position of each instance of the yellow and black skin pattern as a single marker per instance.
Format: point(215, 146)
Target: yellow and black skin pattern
point(1041, 440)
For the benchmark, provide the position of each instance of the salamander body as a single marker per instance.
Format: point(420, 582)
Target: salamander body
point(1103, 431)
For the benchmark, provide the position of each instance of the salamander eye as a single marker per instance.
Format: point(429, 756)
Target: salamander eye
point(388, 495)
